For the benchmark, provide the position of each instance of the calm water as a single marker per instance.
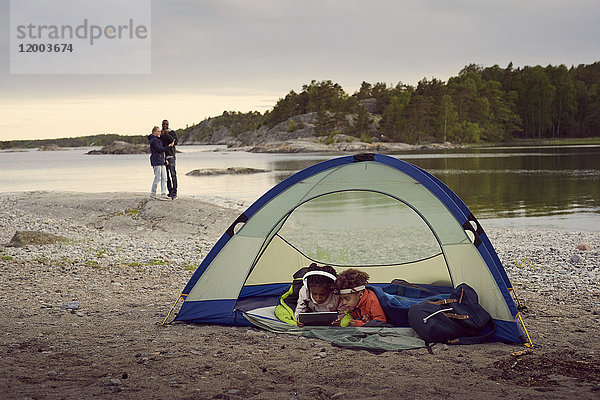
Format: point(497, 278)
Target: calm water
point(556, 187)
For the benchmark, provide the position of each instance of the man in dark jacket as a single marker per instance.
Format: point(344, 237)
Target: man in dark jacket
point(168, 136)
point(157, 161)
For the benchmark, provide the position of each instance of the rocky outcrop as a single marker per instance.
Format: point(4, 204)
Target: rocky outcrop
point(297, 127)
point(50, 147)
point(33, 238)
point(298, 135)
point(120, 147)
point(227, 171)
point(369, 104)
point(340, 146)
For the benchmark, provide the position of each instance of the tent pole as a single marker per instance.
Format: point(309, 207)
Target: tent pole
point(519, 305)
point(172, 308)
point(529, 342)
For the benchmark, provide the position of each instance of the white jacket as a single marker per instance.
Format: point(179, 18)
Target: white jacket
point(307, 304)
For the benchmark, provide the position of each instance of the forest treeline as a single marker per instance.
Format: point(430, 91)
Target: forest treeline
point(82, 141)
point(491, 104)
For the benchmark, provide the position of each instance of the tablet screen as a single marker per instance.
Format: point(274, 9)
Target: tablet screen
point(318, 318)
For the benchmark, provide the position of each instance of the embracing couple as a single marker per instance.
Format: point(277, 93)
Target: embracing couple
point(162, 158)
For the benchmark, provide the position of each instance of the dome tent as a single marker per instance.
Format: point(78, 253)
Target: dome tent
point(369, 211)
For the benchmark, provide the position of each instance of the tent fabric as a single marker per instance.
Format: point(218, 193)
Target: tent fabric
point(374, 212)
point(365, 338)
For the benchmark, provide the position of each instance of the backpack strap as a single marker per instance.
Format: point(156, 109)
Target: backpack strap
point(443, 301)
point(456, 316)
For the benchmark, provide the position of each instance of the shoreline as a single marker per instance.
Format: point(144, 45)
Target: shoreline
point(308, 146)
point(123, 269)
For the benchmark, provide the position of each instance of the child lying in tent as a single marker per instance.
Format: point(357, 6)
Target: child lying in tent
point(363, 305)
point(315, 292)
point(390, 304)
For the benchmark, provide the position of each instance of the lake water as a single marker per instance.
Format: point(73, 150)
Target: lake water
point(550, 186)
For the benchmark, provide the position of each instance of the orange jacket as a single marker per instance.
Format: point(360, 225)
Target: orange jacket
point(368, 306)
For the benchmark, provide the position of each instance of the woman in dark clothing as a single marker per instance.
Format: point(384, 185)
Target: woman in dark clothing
point(157, 161)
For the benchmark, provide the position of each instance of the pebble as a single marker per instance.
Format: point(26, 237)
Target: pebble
point(436, 348)
point(584, 246)
point(576, 259)
point(71, 305)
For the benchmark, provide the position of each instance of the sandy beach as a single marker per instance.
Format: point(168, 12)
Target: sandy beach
point(83, 319)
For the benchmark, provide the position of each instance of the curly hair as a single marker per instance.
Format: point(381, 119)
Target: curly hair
point(351, 278)
point(320, 280)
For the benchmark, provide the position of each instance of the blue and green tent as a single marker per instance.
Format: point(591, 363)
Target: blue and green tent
point(368, 211)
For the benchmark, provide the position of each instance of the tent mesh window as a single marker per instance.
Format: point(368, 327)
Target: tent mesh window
point(359, 228)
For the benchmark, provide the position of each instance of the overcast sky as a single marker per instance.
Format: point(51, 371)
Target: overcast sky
point(214, 55)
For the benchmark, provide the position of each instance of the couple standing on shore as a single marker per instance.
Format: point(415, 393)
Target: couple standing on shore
point(162, 158)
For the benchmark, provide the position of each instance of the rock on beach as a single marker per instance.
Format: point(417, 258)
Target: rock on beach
point(120, 147)
point(32, 238)
point(584, 246)
point(226, 171)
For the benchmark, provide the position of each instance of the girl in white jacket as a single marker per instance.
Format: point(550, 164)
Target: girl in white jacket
point(317, 293)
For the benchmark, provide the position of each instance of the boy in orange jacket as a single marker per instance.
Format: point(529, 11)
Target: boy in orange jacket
point(362, 304)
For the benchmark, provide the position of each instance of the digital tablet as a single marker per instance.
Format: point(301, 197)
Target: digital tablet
point(318, 318)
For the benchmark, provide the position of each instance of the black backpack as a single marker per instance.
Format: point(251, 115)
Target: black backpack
point(458, 319)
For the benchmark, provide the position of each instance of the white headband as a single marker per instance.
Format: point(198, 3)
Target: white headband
point(323, 273)
point(352, 290)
